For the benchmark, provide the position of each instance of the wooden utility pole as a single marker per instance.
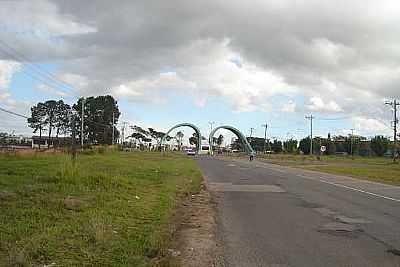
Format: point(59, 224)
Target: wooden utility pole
point(123, 132)
point(394, 105)
point(82, 120)
point(311, 117)
point(265, 135)
point(73, 140)
point(251, 133)
point(113, 131)
point(351, 144)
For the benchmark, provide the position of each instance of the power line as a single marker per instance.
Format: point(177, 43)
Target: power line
point(13, 113)
point(18, 56)
point(333, 119)
point(38, 75)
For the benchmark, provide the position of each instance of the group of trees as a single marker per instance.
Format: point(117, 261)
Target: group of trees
point(51, 115)
point(141, 135)
point(358, 145)
point(100, 115)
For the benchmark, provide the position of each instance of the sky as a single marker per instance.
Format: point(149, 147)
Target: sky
point(239, 63)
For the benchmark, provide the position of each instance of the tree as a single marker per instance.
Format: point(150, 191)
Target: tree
point(179, 136)
point(156, 135)
point(304, 144)
point(277, 146)
point(138, 137)
point(50, 111)
point(237, 145)
point(330, 146)
point(98, 119)
point(3, 138)
point(63, 116)
point(37, 119)
point(220, 140)
point(139, 134)
point(380, 144)
point(290, 145)
point(193, 139)
point(257, 143)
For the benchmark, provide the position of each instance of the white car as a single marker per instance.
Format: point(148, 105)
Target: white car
point(191, 153)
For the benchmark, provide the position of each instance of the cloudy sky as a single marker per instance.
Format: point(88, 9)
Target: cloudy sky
point(243, 63)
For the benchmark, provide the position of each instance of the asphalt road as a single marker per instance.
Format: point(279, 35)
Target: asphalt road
point(276, 216)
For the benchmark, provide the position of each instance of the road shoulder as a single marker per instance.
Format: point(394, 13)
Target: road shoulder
point(195, 243)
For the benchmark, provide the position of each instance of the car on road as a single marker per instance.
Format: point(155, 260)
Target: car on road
point(191, 152)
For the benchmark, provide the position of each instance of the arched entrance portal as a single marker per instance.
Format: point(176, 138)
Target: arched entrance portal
point(197, 130)
point(249, 150)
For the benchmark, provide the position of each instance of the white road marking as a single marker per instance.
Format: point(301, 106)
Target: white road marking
point(351, 188)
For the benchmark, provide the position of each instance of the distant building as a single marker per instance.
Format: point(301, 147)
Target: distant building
point(45, 141)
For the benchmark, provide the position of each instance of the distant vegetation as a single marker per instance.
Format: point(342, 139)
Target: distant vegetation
point(358, 145)
point(101, 114)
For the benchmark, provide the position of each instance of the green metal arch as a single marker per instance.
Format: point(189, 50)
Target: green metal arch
point(247, 146)
point(194, 127)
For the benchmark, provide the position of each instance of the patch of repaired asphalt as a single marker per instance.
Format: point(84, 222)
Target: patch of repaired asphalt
point(348, 220)
point(229, 187)
point(325, 211)
point(340, 229)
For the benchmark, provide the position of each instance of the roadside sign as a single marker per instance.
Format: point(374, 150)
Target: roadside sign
point(323, 148)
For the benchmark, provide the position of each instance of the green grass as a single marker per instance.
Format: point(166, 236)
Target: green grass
point(376, 169)
point(125, 205)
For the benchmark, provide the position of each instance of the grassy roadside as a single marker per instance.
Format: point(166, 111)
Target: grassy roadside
point(109, 209)
point(374, 169)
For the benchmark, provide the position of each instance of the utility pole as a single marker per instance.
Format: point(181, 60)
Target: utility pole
point(311, 117)
point(82, 120)
point(251, 133)
point(113, 119)
point(211, 125)
point(73, 140)
point(351, 143)
point(394, 105)
point(123, 132)
point(265, 135)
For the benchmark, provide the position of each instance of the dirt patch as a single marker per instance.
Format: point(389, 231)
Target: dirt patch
point(74, 203)
point(195, 242)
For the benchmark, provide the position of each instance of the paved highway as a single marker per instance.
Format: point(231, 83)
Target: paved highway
point(276, 216)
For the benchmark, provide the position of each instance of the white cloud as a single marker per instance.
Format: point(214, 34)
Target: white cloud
point(319, 105)
point(51, 91)
point(7, 70)
point(289, 107)
point(371, 126)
